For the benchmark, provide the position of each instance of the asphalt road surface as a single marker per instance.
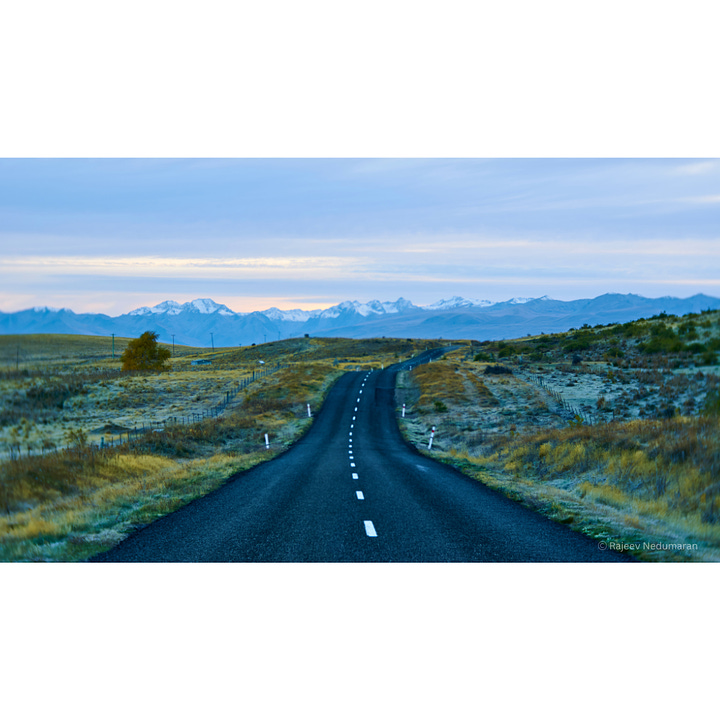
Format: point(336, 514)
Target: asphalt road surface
point(351, 490)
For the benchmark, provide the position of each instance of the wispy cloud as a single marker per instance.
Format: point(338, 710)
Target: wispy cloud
point(701, 167)
point(198, 267)
point(704, 199)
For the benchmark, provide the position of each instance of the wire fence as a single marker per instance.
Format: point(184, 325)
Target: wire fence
point(576, 412)
point(215, 411)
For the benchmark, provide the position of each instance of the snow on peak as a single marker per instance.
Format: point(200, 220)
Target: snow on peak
point(46, 308)
point(519, 300)
point(169, 307)
point(144, 310)
point(458, 302)
point(204, 306)
point(372, 307)
point(289, 315)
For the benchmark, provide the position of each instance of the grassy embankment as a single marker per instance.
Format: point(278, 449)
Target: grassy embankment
point(71, 503)
point(650, 476)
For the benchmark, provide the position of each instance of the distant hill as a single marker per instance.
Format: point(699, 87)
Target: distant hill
point(193, 322)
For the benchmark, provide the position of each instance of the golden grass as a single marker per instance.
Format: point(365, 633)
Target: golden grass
point(144, 489)
point(439, 381)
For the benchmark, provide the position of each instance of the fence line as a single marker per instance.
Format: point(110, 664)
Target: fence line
point(191, 418)
point(577, 412)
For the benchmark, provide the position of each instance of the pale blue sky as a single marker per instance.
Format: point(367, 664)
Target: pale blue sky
point(111, 235)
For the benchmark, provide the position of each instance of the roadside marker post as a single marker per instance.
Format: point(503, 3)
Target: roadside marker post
point(267, 442)
point(308, 408)
point(432, 434)
point(403, 413)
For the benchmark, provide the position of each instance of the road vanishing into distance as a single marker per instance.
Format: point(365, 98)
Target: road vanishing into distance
point(352, 490)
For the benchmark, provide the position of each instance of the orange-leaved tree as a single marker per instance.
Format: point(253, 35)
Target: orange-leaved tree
point(145, 353)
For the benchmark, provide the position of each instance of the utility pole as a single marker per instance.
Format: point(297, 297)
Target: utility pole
point(212, 340)
point(173, 353)
point(265, 336)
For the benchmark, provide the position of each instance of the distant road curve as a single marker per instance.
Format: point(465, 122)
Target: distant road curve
point(352, 490)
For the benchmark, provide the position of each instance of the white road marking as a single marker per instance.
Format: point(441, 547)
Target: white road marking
point(351, 432)
point(361, 392)
point(355, 476)
point(355, 409)
point(352, 464)
point(370, 529)
point(351, 425)
point(353, 417)
point(358, 400)
point(359, 494)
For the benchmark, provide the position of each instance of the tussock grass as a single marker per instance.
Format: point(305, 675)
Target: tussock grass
point(445, 382)
point(129, 493)
point(649, 480)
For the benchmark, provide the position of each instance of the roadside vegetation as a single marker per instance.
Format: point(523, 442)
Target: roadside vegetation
point(67, 494)
point(639, 463)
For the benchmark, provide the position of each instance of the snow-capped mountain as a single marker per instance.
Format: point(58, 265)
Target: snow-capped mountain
point(523, 300)
point(289, 315)
point(457, 302)
point(374, 307)
point(203, 322)
point(204, 306)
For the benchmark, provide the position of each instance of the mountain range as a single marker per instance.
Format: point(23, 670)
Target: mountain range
point(203, 322)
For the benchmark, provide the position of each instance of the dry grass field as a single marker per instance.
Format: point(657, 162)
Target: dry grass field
point(66, 493)
point(624, 447)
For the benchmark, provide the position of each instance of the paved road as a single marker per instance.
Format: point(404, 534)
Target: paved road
point(352, 490)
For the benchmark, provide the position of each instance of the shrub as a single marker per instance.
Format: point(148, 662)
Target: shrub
point(577, 345)
point(144, 353)
point(497, 370)
point(712, 404)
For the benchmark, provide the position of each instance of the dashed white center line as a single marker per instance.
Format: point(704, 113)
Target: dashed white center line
point(353, 417)
point(355, 476)
point(351, 425)
point(356, 408)
point(370, 529)
point(359, 494)
point(351, 432)
point(352, 464)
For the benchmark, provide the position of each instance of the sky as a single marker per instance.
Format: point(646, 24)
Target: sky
point(111, 235)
